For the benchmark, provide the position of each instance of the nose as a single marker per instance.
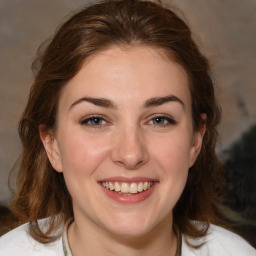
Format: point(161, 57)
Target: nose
point(130, 149)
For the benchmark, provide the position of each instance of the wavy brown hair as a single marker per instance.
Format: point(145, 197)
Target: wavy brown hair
point(41, 190)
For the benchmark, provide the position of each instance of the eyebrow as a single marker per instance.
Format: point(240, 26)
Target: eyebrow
point(106, 103)
point(157, 101)
point(101, 102)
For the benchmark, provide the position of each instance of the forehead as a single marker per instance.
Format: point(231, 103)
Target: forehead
point(128, 72)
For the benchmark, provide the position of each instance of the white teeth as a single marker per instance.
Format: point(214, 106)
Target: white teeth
point(111, 186)
point(145, 185)
point(127, 188)
point(117, 186)
point(133, 188)
point(140, 187)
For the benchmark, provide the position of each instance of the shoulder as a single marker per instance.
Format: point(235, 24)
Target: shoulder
point(228, 243)
point(221, 242)
point(19, 242)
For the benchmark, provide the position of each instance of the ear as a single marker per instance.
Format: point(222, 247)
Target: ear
point(51, 147)
point(197, 140)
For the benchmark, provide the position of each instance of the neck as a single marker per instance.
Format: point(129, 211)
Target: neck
point(89, 239)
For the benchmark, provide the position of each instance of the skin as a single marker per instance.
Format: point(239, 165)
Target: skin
point(128, 141)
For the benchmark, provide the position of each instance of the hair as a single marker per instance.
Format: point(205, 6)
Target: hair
point(41, 190)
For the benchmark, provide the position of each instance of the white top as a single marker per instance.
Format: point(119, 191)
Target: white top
point(219, 242)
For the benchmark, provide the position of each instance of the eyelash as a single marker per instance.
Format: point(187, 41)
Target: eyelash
point(100, 119)
point(170, 121)
point(92, 118)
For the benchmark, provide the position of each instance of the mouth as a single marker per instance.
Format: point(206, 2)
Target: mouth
point(125, 188)
point(128, 190)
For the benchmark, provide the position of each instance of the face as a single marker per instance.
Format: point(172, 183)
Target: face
point(124, 140)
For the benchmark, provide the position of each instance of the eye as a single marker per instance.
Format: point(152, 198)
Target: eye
point(94, 121)
point(162, 121)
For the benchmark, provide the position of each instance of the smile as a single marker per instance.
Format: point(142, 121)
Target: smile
point(127, 188)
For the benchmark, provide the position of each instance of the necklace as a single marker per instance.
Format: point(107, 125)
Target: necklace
point(67, 251)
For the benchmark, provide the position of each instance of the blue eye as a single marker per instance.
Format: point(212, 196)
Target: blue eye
point(162, 121)
point(94, 121)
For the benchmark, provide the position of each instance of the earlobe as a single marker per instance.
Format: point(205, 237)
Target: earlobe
point(51, 147)
point(198, 140)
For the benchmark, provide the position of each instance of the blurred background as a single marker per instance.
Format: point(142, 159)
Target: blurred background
point(226, 33)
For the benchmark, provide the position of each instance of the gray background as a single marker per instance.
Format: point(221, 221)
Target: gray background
point(225, 29)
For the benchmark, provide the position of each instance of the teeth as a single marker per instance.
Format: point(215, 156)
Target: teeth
point(127, 188)
point(140, 187)
point(133, 188)
point(117, 186)
point(111, 186)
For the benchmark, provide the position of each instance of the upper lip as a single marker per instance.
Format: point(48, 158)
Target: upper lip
point(128, 179)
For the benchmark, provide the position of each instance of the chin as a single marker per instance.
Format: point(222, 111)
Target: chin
point(130, 232)
point(131, 226)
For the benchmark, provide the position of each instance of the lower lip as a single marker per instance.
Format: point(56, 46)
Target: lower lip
point(129, 198)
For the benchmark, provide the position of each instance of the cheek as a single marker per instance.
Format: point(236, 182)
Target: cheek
point(82, 155)
point(80, 158)
point(171, 160)
point(172, 153)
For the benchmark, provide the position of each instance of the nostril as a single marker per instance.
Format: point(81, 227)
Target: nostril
point(139, 163)
point(130, 165)
point(129, 151)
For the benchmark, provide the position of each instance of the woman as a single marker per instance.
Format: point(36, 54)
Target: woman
point(119, 139)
